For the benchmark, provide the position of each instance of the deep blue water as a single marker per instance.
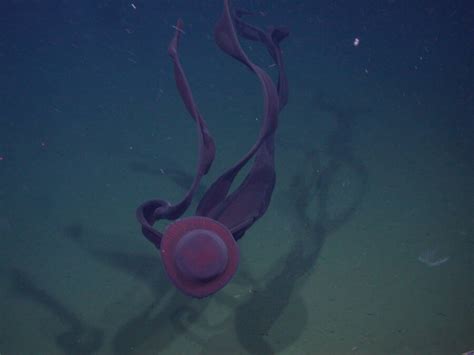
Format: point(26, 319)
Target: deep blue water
point(374, 164)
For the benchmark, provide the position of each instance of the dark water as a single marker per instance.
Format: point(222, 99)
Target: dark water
point(368, 245)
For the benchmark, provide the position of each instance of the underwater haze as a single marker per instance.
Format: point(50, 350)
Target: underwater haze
point(367, 246)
